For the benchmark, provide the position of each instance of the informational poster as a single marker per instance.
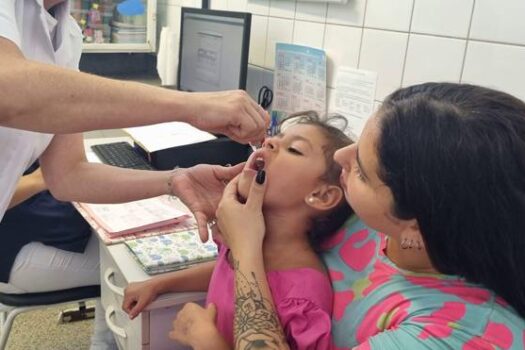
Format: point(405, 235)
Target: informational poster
point(299, 79)
point(354, 96)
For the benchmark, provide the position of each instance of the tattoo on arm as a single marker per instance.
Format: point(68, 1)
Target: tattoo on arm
point(256, 324)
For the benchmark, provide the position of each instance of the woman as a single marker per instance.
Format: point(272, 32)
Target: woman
point(439, 171)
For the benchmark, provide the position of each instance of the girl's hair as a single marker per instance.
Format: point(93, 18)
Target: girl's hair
point(453, 156)
point(333, 127)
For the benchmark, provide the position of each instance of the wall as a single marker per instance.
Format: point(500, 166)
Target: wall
point(405, 41)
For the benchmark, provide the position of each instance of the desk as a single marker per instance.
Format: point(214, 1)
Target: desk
point(149, 330)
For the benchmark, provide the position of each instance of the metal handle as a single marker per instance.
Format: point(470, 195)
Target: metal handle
point(114, 328)
point(117, 290)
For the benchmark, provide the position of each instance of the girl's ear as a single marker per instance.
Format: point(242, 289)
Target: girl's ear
point(325, 197)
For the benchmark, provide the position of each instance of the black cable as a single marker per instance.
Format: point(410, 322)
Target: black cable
point(265, 97)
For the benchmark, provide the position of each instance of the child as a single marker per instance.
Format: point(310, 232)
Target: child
point(303, 205)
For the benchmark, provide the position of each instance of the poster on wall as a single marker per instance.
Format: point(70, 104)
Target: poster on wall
point(299, 80)
point(354, 96)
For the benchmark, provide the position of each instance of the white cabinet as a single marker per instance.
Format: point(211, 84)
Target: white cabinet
point(150, 329)
point(116, 25)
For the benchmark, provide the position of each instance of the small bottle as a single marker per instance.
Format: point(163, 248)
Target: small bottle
point(94, 18)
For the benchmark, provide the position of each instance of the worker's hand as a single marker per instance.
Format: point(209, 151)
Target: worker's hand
point(137, 296)
point(195, 326)
point(241, 223)
point(200, 188)
point(231, 113)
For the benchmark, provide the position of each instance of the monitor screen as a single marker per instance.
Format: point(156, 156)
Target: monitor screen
point(214, 48)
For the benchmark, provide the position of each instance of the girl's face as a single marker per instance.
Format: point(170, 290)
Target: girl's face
point(368, 196)
point(294, 162)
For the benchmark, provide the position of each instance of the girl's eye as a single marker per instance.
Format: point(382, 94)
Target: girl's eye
point(358, 173)
point(294, 151)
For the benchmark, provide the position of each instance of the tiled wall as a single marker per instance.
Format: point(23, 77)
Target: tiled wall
point(405, 41)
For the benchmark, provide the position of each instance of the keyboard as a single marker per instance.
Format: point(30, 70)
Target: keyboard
point(121, 154)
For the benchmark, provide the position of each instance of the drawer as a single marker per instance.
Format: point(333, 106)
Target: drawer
point(112, 281)
point(127, 332)
point(160, 324)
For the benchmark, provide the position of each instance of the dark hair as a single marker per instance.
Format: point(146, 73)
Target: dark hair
point(453, 156)
point(333, 127)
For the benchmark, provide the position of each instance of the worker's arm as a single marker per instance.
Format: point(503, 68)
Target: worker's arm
point(46, 98)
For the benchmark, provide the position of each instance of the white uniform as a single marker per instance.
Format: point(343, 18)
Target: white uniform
point(41, 38)
point(54, 40)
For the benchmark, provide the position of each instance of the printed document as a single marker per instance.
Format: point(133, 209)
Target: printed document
point(354, 96)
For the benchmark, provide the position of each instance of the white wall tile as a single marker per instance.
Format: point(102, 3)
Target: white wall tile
point(258, 40)
point(499, 21)
point(174, 2)
point(258, 7)
point(282, 8)
point(311, 11)
point(219, 4)
point(309, 34)
point(442, 17)
point(280, 30)
point(497, 66)
point(173, 17)
point(341, 55)
point(432, 58)
point(352, 13)
point(237, 5)
point(384, 53)
point(388, 14)
point(191, 3)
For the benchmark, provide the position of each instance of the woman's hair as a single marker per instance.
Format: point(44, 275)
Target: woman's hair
point(453, 156)
point(333, 127)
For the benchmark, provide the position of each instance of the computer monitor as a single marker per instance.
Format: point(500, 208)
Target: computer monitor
point(213, 52)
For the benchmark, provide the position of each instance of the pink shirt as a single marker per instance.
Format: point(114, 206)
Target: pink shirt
point(302, 297)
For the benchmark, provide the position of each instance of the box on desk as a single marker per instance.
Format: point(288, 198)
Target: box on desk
point(220, 151)
point(177, 144)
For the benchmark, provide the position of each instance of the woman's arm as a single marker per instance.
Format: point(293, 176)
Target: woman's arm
point(28, 186)
point(256, 320)
point(50, 99)
point(242, 227)
point(71, 178)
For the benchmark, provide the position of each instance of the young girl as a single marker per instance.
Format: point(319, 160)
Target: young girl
point(303, 205)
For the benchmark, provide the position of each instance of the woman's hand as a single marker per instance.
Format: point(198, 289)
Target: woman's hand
point(195, 326)
point(137, 296)
point(231, 113)
point(200, 188)
point(242, 224)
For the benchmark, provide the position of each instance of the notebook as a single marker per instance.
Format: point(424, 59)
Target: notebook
point(125, 218)
point(172, 251)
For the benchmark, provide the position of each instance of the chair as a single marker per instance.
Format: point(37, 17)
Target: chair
point(11, 305)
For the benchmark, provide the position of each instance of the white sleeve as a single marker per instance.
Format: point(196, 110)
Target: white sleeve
point(8, 21)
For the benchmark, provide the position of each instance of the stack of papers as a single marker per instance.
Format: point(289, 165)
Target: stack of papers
point(170, 252)
point(126, 218)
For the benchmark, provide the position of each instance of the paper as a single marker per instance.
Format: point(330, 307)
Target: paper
point(166, 135)
point(168, 57)
point(124, 218)
point(299, 79)
point(354, 96)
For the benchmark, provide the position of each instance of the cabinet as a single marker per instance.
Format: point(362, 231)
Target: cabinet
point(150, 329)
point(116, 25)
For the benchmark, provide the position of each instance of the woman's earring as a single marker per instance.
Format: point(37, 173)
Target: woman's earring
point(411, 240)
point(311, 199)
